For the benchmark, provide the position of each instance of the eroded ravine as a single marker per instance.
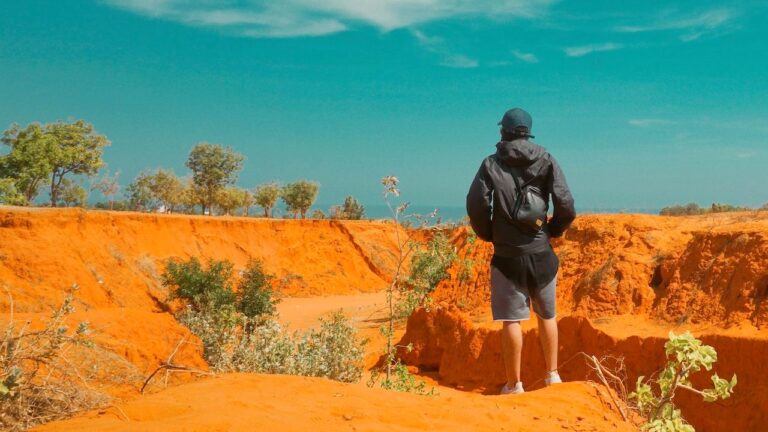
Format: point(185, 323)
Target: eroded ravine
point(618, 273)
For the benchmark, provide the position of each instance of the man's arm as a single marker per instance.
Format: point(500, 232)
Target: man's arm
point(479, 207)
point(564, 211)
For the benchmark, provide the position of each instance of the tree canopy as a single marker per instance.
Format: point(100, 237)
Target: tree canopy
point(299, 196)
point(266, 197)
point(213, 167)
point(48, 153)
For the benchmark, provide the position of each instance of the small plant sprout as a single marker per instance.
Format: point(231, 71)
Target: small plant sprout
point(686, 355)
point(404, 294)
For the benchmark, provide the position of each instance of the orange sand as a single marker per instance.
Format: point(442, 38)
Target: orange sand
point(270, 403)
point(625, 280)
point(703, 269)
point(116, 258)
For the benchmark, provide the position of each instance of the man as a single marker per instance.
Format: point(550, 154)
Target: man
point(524, 265)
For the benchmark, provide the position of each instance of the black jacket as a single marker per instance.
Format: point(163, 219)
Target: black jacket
point(492, 196)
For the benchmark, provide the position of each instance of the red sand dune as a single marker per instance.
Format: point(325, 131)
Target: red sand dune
point(625, 280)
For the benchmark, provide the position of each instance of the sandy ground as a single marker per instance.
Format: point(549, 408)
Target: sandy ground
point(284, 403)
point(365, 310)
point(625, 281)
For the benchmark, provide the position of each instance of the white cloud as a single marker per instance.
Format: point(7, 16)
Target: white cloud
point(284, 18)
point(649, 122)
point(459, 61)
point(580, 51)
point(438, 46)
point(526, 57)
point(692, 26)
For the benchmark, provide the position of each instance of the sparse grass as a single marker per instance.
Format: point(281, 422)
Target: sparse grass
point(39, 382)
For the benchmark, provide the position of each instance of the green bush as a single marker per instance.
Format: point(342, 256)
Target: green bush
point(429, 267)
point(240, 331)
point(235, 343)
point(694, 209)
point(655, 398)
point(255, 296)
point(333, 351)
point(202, 288)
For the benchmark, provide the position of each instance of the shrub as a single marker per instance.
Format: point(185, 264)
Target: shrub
point(428, 268)
point(255, 296)
point(679, 210)
point(686, 355)
point(694, 209)
point(332, 352)
point(203, 289)
point(38, 383)
point(240, 330)
point(235, 343)
point(351, 209)
point(402, 380)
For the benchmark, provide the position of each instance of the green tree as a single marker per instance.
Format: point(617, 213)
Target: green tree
point(189, 196)
point(299, 197)
point(140, 192)
point(72, 194)
point(230, 199)
point(8, 193)
point(29, 161)
point(167, 189)
point(266, 197)
point(77, 150)
point(213, 167)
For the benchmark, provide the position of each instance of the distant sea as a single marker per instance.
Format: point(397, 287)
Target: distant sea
point(457, 213)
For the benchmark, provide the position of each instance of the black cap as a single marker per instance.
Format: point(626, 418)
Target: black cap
point(515, 120)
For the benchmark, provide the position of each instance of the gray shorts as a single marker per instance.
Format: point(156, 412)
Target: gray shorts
point(512, 301)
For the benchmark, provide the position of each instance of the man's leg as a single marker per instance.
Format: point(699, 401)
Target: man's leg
point(548, 339)
point(512, 349)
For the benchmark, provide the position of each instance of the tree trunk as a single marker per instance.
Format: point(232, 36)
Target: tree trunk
point(54, 191)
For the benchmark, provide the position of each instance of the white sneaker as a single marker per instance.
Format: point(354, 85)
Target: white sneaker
point(518, 389)
point(552, 378)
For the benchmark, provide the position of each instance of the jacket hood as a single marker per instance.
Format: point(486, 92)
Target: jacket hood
point(519, 152)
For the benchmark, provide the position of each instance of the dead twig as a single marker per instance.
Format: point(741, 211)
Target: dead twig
point(168, 366)
point(599, 369)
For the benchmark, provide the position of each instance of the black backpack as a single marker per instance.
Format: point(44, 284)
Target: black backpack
point(531, 205)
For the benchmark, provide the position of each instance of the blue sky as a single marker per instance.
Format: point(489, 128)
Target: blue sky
point(644, 104)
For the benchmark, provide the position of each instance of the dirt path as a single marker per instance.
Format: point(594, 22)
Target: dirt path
point(365, 310)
